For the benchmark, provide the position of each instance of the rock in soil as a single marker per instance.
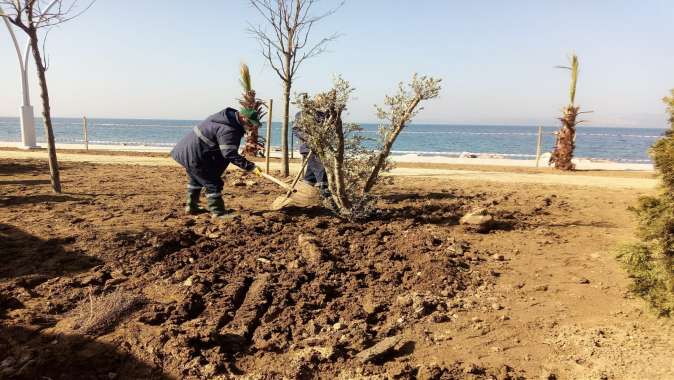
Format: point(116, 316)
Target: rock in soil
point(379, 349)
point(309, 248)
point(480, 220)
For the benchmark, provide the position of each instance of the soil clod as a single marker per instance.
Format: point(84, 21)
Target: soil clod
point(380, 349)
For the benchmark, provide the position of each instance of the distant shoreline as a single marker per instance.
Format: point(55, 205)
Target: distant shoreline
point(452, 141)
point(452, 124)
point(468, 159)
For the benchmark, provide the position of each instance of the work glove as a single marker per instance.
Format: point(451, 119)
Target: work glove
point(257, 171)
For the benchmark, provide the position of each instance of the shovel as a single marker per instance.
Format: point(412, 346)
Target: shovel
point(298, 193)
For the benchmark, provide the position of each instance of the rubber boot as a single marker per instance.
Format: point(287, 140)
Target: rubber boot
point(215, 205)
point(192, 204)
point(324, 191)
point(217, 208)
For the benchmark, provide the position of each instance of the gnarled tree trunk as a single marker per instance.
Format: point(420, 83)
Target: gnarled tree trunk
point(339, 192)
point(388, 144)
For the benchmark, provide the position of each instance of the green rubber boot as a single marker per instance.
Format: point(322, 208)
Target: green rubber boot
point(192, 204)
point(216, 206)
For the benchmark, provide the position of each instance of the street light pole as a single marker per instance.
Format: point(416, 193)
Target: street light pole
point(27, 115)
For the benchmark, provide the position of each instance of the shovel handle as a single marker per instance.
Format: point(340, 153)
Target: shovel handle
point(299, 174)
point(276, 181)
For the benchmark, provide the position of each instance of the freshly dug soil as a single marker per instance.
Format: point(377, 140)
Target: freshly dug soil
point(270, 295)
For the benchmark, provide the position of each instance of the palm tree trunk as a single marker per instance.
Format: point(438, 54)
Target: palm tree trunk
point(566, 140)
point(46, 113)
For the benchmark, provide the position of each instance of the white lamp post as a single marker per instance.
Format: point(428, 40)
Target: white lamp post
point(27, 116)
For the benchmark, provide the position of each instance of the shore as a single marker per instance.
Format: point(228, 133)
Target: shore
point(492, 171)
point(581, 164)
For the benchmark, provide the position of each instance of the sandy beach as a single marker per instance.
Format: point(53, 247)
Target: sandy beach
point(581, 164)
point(492, 170)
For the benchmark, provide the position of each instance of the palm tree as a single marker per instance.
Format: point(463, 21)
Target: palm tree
point(566, 136)
point(254, 145)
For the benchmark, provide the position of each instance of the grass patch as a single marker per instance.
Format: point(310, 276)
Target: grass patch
point(98, 314)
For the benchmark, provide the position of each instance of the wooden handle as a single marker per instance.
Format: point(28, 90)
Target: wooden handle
point(276, 181)
point(299, 174)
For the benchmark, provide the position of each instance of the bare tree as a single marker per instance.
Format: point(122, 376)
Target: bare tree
point(287, 46)
point(352, 167)
point(31, 16)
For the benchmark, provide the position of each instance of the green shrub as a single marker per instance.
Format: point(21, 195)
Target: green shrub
point(650, 277)
point(650, 262)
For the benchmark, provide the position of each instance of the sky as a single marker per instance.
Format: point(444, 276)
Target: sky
point(174, 59)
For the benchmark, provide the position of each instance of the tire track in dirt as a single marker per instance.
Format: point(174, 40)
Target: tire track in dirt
point(240, 330)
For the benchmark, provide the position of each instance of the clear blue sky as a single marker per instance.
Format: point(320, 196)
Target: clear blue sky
point(178, 59)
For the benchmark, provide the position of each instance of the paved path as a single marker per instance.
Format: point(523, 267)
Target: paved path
point(612, 182)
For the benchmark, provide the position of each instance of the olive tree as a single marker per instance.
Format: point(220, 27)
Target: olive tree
point(354, 163)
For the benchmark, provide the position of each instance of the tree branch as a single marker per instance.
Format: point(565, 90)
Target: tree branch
point(292, 26)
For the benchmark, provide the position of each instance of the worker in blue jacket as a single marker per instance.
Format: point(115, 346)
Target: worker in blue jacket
point(315, 171)
point(206, 152)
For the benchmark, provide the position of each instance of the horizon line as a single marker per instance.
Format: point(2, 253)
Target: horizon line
point(533, 125)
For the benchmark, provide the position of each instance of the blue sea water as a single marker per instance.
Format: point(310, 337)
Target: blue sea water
point(519, 142)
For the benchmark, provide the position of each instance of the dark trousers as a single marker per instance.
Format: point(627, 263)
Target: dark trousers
point(211, 180)
point(315, 173)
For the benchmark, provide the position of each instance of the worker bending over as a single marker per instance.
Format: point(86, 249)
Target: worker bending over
point(206, 152)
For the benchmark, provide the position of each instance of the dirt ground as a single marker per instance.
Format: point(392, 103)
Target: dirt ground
point(110, 280)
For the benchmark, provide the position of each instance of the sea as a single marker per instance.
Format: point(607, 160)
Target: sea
point(628, 145)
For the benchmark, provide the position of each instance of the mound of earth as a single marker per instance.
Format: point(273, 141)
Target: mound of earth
point(271, 290)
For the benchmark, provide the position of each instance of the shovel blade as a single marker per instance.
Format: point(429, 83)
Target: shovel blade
point(304, 195)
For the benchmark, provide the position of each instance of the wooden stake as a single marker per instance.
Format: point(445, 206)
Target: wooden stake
point(538, 145)
point(268, 141)
point(86, 133)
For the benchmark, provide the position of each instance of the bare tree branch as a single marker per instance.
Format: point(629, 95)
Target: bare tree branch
point(317, 49)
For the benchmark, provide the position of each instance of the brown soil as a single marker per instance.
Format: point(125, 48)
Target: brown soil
point(111, 280)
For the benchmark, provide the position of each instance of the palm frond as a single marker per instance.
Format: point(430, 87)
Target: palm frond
point(574, 78)
point(245, 78)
